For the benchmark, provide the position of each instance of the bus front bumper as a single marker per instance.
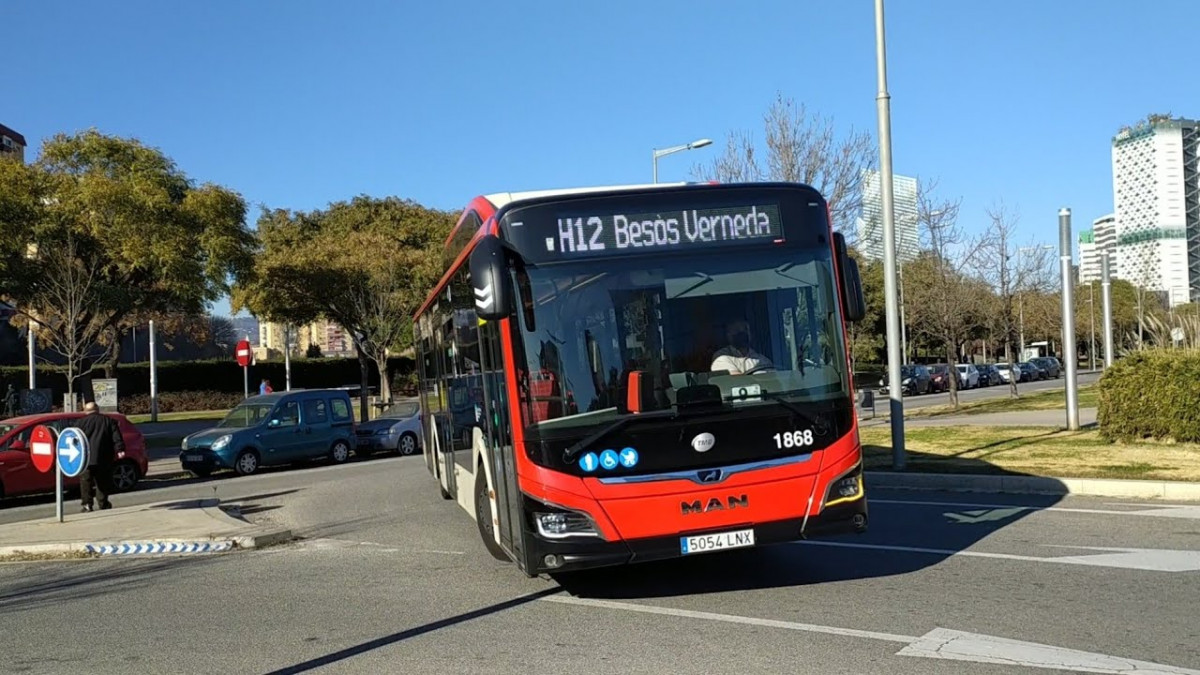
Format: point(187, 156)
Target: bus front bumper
point(568, 555)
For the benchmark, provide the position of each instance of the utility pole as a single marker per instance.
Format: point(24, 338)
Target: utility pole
point(1092, 321)
point(1070, 353)
point(32, 354)
point(153, 375)
point(1106, 303)
point(891, 298)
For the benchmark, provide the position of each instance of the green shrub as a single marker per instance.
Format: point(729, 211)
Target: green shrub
point(214, 375)
point(179, 401)
point(1152, 394)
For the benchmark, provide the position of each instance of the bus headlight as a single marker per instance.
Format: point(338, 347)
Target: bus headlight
point(563, 524)
point(845, 489)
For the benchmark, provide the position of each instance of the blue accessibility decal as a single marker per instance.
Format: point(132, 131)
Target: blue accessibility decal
point(629, 458)
point(589, 462)
point(609, 460)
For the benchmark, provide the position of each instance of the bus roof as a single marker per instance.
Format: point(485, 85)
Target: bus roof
point(502, 199)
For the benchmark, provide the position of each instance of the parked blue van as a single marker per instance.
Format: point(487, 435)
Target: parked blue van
point(277, 428)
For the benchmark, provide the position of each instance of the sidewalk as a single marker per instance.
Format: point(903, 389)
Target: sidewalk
point(174, 527)
point(1022, 418)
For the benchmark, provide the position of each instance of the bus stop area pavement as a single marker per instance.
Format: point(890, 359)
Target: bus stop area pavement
point(193, 526)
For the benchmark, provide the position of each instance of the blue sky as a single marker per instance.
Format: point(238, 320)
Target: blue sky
point(296, 104)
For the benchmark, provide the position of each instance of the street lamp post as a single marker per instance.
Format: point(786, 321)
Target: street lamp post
point(1092, 322)
point(677, 148)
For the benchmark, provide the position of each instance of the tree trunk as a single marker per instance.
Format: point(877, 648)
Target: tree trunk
point(1013, 376)
point(953, 374)
point(385, 386)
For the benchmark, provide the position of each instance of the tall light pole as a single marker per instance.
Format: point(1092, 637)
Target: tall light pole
point(677, 148)
point(1106, 303)
point(1092, 322)
point(1070, 353)
point(890, 290)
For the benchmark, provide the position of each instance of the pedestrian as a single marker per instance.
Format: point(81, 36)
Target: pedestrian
point(12, 401)
point(265, 387)
point(104, 442)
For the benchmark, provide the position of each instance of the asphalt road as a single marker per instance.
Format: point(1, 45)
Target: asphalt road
point(391, 578)
point(982, 393)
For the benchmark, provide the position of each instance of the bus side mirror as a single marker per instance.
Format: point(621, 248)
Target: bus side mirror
point(850, 281)
point(489, 281)
point(856, 306)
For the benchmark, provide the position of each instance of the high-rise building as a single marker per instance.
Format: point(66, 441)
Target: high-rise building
point(1092, 245)
point(12, 144)
point(1156, 189)
point(904, 207)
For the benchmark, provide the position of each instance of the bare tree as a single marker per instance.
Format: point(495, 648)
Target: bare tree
point(945, 303)
point(384, 315)
point(1010, 271)
point(68, 308)
point(804, 149)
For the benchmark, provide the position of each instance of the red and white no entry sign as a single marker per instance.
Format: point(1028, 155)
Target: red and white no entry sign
point(243, 353)
point(41, 448)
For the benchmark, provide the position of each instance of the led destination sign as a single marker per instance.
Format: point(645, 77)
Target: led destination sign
point(583, 234)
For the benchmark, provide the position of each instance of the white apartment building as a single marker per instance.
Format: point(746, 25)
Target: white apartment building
point(1092, 244)
point(870, 223)
point(1156, 190)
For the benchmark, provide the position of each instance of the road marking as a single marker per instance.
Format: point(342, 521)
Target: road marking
point(1157, 511)
point(939, 643)
point(1145, 559)
point(984, 516)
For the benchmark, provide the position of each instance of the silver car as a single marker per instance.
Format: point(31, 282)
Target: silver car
point(398, 429)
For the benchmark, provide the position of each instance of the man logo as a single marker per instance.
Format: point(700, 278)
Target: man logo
point(714, 504)
point(704, 442)
point(709, 476)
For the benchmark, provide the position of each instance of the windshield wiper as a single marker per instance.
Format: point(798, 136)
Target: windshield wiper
point(778, 397)
point(570, 453)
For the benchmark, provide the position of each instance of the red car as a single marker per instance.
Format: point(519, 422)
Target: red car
point(19, 477)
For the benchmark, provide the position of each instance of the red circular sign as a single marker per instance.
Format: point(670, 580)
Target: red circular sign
point(243, 353)
point(41, 448)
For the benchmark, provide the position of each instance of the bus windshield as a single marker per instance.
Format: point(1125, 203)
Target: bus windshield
point(761, 327)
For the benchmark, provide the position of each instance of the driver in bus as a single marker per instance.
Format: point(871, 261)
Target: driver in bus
point(739, 357)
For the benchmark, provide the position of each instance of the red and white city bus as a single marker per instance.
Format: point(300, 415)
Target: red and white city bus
point(621, 374)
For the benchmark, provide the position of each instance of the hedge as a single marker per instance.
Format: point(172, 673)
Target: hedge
point(1152, 394)
point(223, 376)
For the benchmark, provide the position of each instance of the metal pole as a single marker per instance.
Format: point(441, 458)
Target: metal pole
point(287, 356)
point(654, 156)
point(903, 323)
point(246, 381)
point(1070, 353)
point(58, 487)
point(153, 375)
point(32, 356)
point(1092, 322)
point(1106, 303)
point(891, 298)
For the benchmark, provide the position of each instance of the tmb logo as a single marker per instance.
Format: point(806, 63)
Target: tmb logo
point(731, 502)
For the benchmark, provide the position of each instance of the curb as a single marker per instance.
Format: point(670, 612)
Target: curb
point(151, 547)
point(1039, 485)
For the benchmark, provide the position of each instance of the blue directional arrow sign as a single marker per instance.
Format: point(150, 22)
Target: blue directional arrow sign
point(589, 462)
point(608, 459)
point(629, 458)
point(72, 450)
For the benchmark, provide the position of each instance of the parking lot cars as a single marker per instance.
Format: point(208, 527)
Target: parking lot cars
point(398, 429)
point(18, 476)
point(272, 429)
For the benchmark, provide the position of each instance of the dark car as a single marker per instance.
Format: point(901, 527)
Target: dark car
point(1050, 364)
point(915, 380)
point(1033, 371)
point(989, 375)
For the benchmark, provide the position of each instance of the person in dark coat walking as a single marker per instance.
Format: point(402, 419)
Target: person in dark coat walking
point(104, 442)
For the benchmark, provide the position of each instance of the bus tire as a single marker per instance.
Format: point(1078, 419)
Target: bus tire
point(483, 517)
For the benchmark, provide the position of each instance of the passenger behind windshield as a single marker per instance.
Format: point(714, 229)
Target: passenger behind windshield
point(738, 357)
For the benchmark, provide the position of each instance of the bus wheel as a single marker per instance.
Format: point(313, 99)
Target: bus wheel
point(483, 517)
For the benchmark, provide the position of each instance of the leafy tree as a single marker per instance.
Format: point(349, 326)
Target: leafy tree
point(313, 351)
point(800, 148)
point(366, 264)
point(141, 236)
point(867, 336)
